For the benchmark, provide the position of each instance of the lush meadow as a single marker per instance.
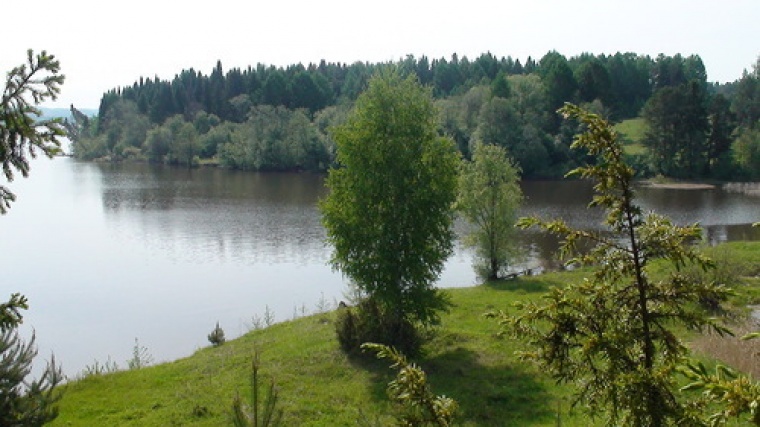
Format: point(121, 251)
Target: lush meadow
point(319, 385)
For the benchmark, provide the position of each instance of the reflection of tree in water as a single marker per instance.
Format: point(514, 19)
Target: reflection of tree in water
point(746, 188)
point(212, 214)
point(542, 250)
point(715, 234)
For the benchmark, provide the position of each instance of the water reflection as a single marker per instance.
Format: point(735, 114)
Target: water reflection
point(218, 214)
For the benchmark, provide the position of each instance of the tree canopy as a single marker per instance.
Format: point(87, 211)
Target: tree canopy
point(515, 102)
point(489, 197)
point(388, 215)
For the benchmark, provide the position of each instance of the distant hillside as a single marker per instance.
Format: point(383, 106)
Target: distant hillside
point(51, 113)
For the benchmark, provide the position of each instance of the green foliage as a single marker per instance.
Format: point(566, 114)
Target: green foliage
point(593, 82)
point(746, 101)
point(21, 134)
point(736, 394)
point(275, 139)
point(367, 323)
point(253, 414)
point(746, 150)
point(613, 333)
point(515, 124)
point(411, 392)
point(121, 128)
point(500, 86)
point(216, 337)
point(559, 81)
point(10, 312)
point(489, 198)
point(613, 86)
point(677, 127)
point(25, 402)
point(389, 212)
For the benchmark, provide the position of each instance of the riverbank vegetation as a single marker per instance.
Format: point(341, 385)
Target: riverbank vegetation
point(269, 118)
point(318, 385)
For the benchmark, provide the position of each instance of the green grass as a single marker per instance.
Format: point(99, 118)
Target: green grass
point(320, 386)
point(632, 131)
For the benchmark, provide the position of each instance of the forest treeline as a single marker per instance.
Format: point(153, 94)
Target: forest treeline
point(277, 118)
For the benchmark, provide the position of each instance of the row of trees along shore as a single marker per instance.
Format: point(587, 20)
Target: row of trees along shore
point(274, 118)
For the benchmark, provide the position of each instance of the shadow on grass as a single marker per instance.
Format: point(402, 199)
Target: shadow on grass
point(527, 284)
point(500, 395)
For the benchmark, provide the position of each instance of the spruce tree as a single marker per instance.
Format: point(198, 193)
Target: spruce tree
point(613, 334)
point(24, 402)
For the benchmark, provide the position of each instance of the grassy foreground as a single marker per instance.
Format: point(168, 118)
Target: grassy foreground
point(319, 386)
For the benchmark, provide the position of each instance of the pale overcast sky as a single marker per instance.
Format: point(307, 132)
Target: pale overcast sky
point(106, 44)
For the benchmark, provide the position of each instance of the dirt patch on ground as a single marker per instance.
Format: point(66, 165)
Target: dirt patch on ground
point(743, 355)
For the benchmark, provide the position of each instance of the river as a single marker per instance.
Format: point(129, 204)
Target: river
point(110, 253)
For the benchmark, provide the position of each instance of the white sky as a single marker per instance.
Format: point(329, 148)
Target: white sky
point(106, 44)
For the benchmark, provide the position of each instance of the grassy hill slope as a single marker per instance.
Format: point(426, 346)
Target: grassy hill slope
point(319, 386)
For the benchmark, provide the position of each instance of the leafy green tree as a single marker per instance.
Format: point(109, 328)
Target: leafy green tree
point(275, 89)
point(593, 81)
point(613, 334)
point(746, 99)
point(24, 402)
point(746, 151)
point(629, 83)
point(310, 91)
point(719, 137)
point(157, 143)
point(274, 138)
point(215, 138)
point(558, 80)
point(677, 126)
point(500, 86)
point(489, 197)
point(460, 115)
point(503, 125)
point(389, 212)
point(122, 127)
point(668, 71)
point(184, 145)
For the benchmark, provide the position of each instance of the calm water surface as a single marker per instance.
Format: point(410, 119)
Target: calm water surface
point(109, 253)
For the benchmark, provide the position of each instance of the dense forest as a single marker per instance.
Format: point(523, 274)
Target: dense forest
point(274, 118)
